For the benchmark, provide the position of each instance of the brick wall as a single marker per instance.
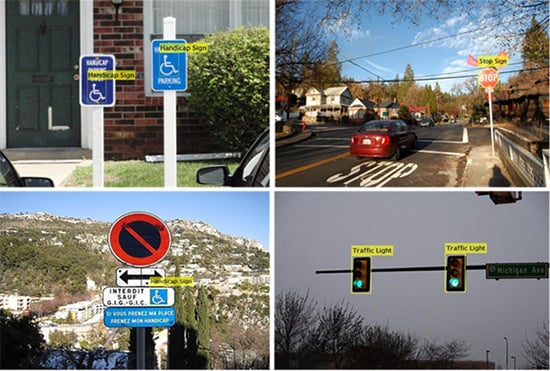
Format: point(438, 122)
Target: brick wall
point(134, 126)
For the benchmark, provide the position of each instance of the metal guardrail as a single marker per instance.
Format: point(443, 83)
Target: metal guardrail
point(546, 162)
point(528, 166)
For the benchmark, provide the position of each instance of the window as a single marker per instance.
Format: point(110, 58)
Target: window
point(197, 18)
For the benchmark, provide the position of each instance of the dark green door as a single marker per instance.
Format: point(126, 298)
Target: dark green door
point(42, 54)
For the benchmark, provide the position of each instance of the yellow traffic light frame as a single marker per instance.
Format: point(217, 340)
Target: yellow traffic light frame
point(461, 274)
point(367, 275)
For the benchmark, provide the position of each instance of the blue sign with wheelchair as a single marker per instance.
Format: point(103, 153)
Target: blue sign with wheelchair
point(169, 65)
point(97, 80)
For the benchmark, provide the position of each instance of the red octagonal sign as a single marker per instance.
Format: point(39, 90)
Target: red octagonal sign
point(139, 239)
point(488, 77)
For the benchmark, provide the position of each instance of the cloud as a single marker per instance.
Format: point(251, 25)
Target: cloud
point(379, 67)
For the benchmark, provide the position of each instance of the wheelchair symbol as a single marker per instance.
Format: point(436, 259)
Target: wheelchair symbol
point(167, 68)
point(157, 298)
point(95, 95)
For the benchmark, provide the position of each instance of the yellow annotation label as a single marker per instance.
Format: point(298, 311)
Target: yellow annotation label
point(183, 48)
point(492, 60)
point(372, 250)
point(466, 248)
point(171, 281)
point(98, 75)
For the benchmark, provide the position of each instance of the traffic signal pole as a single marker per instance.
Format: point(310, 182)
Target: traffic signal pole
point(402, 269)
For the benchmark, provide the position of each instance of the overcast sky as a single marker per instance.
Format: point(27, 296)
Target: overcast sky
point(315, 230)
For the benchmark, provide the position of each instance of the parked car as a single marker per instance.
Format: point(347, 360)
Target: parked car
point(382, 139)
point(10, 178)
point(253, 170)
point(426, 122)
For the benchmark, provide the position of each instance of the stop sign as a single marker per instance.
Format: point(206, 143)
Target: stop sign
point(488, 77)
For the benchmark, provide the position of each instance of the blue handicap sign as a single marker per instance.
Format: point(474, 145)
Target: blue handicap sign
point(97, 80)
point(139, 317)
point(169, 67)
point(158, 296)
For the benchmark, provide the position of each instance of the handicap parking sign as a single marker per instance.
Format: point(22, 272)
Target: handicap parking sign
point(169, 67)
point(158, 297)
point(97, 80)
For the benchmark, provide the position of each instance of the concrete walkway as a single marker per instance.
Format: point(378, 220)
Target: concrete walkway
point(58, 164)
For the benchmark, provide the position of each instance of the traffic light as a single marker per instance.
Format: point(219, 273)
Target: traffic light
point(361, 275)
point(455, 275)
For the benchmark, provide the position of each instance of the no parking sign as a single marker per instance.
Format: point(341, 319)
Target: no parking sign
point(139, 239)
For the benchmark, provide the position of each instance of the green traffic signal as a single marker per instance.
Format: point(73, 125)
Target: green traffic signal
point(455, 275)
point(361, 275)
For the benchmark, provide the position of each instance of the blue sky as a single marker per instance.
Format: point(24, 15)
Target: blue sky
point(380, 35)
point(243, 214)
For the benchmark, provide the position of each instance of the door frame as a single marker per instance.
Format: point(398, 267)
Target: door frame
point(86, 47)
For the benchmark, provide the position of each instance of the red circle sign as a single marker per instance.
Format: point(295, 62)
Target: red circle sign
point(488, 77)
point(139, 239)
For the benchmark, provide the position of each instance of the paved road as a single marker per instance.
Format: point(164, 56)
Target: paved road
point(440, 160)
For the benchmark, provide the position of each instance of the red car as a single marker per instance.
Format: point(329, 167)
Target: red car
point(382, 139)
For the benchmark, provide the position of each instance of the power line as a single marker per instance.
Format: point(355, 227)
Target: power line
point(429, 41)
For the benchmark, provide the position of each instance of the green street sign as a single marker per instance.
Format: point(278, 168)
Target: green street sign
point(516, 270)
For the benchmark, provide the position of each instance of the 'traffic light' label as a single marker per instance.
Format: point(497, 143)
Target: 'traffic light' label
point(465, 248)
point(372, 250)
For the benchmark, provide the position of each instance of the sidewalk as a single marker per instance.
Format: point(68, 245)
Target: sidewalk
point(57, 164)
point(484, 170)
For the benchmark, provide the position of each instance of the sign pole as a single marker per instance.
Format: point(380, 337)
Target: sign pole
point(98, 147)
point(489, 93)
point(170, 132)
point(140, 349)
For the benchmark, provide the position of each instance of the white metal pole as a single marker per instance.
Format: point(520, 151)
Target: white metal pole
point(490, 92)
point(170, 134)
point(98, 146)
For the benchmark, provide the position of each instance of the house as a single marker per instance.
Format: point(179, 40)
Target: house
point(39, 67)
point(360, 110)
point(418, 112)
point(329, 104)
point(387, 109)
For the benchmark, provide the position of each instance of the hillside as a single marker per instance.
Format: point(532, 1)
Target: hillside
point(43, 254)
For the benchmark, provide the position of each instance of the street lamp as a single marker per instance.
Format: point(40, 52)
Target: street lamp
point(487, 359)
point(514, 358)
point(506, 340)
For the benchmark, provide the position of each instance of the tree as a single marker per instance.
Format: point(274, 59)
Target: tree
point(535, 49)
point(406, 85)
point(339, 332)
point(21, 342)
point(229, 86)
point(203, 329)
point(445, 354)
point(295, 317)
point(150, 356)
point(60, 339)
point(535, 350)
point(383, 348)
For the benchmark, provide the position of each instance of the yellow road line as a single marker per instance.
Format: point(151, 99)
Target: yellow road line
point(309, 166)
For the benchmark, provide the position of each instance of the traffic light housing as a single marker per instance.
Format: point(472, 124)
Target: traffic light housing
point(455, 274)
point(360, 280)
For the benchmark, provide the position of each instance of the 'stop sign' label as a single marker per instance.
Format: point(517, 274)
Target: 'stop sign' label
point(139, 239)
point(169, 65)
